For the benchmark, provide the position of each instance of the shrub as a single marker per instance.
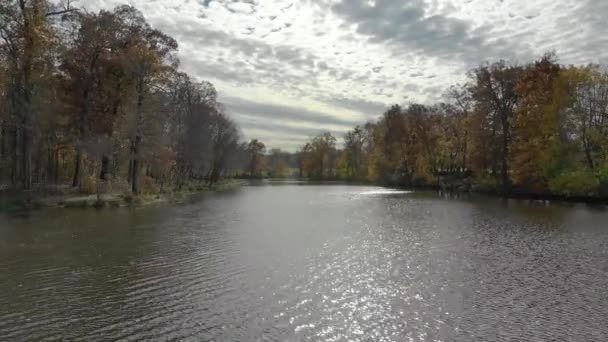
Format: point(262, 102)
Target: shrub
point(88, 185)
point(93, 185)
point(602, 175)
point(575, 183)
point(487, 182)
point(119, 185)
point(149, 186)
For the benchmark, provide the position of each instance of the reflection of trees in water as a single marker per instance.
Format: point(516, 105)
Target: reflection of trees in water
point(60, 266)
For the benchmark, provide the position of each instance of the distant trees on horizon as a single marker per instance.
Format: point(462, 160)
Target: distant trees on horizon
point(540, 128)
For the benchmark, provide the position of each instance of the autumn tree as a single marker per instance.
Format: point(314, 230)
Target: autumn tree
point(353, 156)
point(150, 61)
point(493, 89)
point(588, 113)
point(224, 144)
point(87, 95)
point(455, 125)
point(255, 151)
point(85, 65)
point(536, 124)
point(278, 163)
point(192, 106)
point(323, 153)
point(26, 41)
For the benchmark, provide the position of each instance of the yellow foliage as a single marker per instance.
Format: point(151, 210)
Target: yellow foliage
point(89, 184)
point(536, 124)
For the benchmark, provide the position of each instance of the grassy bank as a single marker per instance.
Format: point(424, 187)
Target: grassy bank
point(66, 197)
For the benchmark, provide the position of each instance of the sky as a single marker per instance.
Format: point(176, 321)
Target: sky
point(286, 70)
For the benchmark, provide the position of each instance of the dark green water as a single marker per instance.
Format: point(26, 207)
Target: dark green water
point(297, 263)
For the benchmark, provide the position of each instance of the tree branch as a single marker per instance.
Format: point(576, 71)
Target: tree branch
point(69, 10)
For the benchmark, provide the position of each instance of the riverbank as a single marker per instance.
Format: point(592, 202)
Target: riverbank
point(66, 197)
point(471, 186)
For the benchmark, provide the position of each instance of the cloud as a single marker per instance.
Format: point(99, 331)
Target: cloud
point(283, 113)
point(272, 128)
point(285, 68)
point(370, 108)
point(407, 24)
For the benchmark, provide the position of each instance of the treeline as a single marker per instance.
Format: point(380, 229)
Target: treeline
point(263, 163)
point(540, 128)
point(98, 98)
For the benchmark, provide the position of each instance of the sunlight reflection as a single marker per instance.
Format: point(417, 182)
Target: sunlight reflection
point(384, 192)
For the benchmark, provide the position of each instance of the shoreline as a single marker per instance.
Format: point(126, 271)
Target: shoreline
point(516, 195)
point(21, 201)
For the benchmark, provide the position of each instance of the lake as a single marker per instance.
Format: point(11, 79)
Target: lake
point(299, 262)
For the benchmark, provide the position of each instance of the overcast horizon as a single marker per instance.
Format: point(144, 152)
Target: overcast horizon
point(288, 70)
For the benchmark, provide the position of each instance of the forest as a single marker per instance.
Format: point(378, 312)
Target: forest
point(534, 129)
point(97, 100)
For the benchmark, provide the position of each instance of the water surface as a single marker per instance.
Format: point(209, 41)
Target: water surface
point(308, 262)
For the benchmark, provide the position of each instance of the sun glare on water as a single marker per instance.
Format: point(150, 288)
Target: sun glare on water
point(384, 192)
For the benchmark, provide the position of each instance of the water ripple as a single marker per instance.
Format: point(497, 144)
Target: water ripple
point(297, 263)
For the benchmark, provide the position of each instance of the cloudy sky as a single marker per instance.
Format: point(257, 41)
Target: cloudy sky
point(287, 69)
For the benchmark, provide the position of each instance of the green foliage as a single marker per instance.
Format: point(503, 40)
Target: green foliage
point(602, 176)
point(319, 156)
point(575, 183)
point(7, 205)
point(488, 183)
point(90, 185)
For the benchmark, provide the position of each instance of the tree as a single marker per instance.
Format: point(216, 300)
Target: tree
point(278, 163)
point(536, 124)
point(85, 64)
point(353, 147)
point(90, 95)
point(255, 151)
point(456, 125)
point(194, 107)
point(323, 152)
point(493, 89)
point(26, 43)
point(224, 137)
point(150, 61)
point(588, 113)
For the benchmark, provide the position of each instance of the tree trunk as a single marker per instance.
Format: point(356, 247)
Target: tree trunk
point(130, 171)
point(465, 150)
point(138, 136)
point(49, 164)
point(252, 166)
point(105, 166)
point(16, 172)
point(2, 144)
point(321, 166)
point(588, 155)
point(77, 169)
point(25, 107)
point(27, 159)
point(135, 167)
point(505, 156)
point(27, 138)
point(3, 157)
point(56, 175)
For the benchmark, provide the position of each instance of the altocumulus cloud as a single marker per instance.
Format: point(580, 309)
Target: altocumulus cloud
point(288, 69)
